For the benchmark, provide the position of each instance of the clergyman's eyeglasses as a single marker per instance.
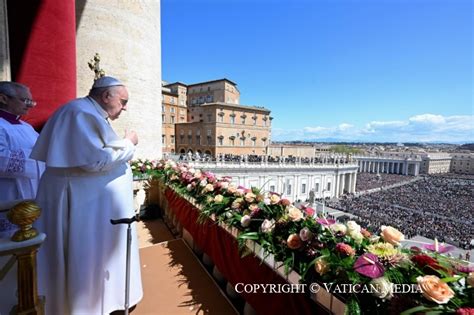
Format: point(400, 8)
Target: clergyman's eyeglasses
point(27, 101)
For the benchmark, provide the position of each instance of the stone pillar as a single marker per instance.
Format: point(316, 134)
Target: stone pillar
point(5, 74)
point(354, 182)
point(126, 34)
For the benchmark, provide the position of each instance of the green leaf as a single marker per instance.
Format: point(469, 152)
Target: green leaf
point(418, 309)
point(249, 236)
point(352, 307)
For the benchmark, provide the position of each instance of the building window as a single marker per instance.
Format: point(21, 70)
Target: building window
point(163, 139)
point(316, 187)
point(172, 119)
point(272, 188)
point(163, 108)
point(172, 110)
point(209, 132)
point(242, 142)
point(209, 98)
point(172, 139)
point(171, 100)
point(220, 140)
point(288, 189)
point(209, 117)
point(254, 142)
point(232, 119)
point(209, 140)
point(254, 120)
point(181, 102)
point(162, 118)
point(243, 121)
point(221, 118)
point(329, 187)
point(303, 188)
point(231, 142)
point(181, 139)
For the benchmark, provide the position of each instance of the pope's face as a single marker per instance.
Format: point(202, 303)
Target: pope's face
point(115, 101)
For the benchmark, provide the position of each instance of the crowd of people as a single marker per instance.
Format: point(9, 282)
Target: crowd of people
point(253, 158)
point(368, 181)
point(434, 207)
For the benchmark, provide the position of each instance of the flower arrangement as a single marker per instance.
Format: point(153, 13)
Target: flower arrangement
point(322, 250)
point(142, 169)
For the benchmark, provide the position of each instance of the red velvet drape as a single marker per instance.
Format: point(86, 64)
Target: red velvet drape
point(223, 249)
point(45, 52)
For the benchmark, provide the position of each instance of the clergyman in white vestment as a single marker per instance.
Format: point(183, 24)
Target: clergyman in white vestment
point(87, 182)
point(19, 175)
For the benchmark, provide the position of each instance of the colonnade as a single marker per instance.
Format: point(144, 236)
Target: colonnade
point(403, 167)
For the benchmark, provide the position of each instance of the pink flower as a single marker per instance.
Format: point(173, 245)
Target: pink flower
point(309, 211)
point(465, 311)
point(369, 266)
point(325, 221)
point(442, 248)
point(305, 234)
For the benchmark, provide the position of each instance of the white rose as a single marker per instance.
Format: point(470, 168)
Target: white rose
point(383, 289)
point(267, 225)
point(352, 226)
point(357, 236)
point(245, 221)
point(218, 198)
point(203, 183)
point(189, 187)
point(208, 187)
point(274, 199)
point(338, 227)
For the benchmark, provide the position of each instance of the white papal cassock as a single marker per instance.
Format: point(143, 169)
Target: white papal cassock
point(19, 177)
point(87, 182)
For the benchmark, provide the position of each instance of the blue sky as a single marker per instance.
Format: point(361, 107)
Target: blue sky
point(368, 70)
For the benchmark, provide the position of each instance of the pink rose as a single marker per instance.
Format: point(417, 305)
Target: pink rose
point(293, 241)
point(391, 235)
point(434, 289)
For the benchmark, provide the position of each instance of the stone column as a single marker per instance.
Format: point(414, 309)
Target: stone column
point(126, 34)
point(354, 182)
point(5, 74)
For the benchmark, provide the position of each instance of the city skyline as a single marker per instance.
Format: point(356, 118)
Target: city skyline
point(381, 71)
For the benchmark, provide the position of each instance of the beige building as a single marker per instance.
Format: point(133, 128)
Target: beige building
point(435, 163)
point(216, 91)
point(206, 118)
point(462, 163)
point(173, 111)
point(221, 128)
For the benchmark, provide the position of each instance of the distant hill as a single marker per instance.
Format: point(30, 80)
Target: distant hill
point(467, 146)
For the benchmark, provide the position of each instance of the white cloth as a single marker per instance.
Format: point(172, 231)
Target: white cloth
point(19, 177)
point(87, 182)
